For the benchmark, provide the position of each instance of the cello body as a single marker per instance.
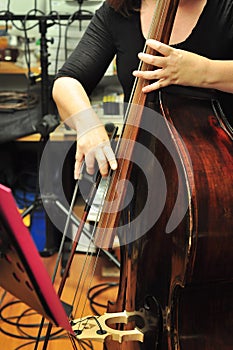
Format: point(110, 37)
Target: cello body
point(179, 281)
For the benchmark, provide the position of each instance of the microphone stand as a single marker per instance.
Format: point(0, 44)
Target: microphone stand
point(47, 124)
point(44, 62)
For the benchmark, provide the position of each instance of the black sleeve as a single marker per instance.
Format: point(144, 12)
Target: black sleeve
point(93, 54)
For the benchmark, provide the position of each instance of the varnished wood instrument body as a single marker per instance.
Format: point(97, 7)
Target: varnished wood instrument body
point(182, 281)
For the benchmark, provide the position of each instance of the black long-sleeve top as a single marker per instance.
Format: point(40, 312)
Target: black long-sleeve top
point(110, 34)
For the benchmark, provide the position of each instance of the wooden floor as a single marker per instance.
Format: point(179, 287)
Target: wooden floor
point(25, 322)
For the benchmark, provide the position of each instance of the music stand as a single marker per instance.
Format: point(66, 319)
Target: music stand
point(23, 273)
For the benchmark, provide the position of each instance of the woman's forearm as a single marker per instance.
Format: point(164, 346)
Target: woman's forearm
point(219, 75)
point(70, 97)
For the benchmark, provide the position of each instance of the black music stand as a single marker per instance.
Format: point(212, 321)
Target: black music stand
point(23, 273)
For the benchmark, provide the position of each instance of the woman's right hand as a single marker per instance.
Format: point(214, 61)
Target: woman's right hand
point(93, 144)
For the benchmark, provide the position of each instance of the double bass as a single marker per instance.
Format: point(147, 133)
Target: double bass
point(175, 227)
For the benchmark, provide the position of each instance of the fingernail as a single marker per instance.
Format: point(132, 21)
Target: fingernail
point(114, 166)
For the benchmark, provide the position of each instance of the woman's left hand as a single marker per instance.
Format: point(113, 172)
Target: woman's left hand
point(172, 66)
